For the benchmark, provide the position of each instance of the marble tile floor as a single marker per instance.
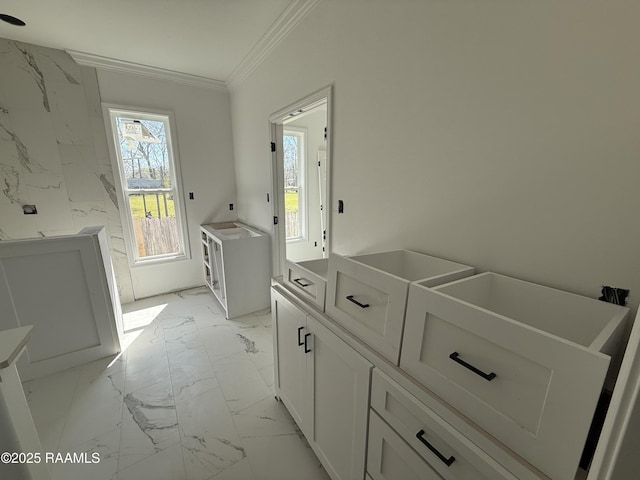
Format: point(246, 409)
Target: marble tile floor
point(191, 397)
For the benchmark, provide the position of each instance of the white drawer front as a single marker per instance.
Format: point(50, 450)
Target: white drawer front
point(391, 458)
point(511, 384)
point(306, 284)
point(430, 436)
point(369, 303)
point(534, 392)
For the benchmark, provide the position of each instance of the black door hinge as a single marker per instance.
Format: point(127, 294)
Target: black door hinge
point(273, 146)
point(275, 220)
point(325, 133)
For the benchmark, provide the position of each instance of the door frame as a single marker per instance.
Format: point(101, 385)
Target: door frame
point(276, 122)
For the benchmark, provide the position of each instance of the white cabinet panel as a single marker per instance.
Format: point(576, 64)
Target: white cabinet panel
point(64, 287)
point(341, 379)
point(391, 458)
point(325, 386)
point(291, 372)
point(237, 266)
point(367, 294)
point(446, 450)
point(491, 346)
point(308, 279)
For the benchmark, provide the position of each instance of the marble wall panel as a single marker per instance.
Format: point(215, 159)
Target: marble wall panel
point(70, 115)
point(80, 171)
point(21, 79)
point(53, 151)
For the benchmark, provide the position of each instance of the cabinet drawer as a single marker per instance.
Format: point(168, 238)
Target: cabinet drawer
point(307, 283)
point(367, 293)
point(533, 390)
point(427, 434)
point(391, 458)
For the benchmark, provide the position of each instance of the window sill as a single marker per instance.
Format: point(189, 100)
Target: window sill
point(160, 260)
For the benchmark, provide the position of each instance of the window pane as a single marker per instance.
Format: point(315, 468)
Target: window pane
point(154, 223)
point(290, 143)
point(292, 152)
point(143, 149)
point(292, 210)
point(143, 145)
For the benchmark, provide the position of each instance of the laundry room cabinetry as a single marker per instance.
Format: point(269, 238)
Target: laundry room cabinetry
point(367, 294)
point(525, 362)
point(325, 385)
point(237, 266)
point(497, 378)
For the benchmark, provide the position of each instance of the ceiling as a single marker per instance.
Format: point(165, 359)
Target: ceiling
point(207, 38)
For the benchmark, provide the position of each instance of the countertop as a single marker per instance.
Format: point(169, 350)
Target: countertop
point(11, 343)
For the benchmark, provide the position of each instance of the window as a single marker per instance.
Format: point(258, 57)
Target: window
point(149, 185)
point(294, 159)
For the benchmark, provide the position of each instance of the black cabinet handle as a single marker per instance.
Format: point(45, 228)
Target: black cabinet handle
point(300, 341)
point(361, 305)
point(443, 459)
point(306, 350)
point(455, 356)
point(299, 282)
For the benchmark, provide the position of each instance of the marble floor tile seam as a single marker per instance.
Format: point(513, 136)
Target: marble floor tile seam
point(68, 411)
point(64, 416)
point(242, 410)
point(127, 411)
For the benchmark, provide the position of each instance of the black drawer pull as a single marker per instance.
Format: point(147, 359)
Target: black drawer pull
point(300, 343)
point(306, 349)
point(301, 283)
point(455, 356)
point(443, 459)
point(361, 305)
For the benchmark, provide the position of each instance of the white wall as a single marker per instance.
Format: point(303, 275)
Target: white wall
point(496, 133)
point(205, 151)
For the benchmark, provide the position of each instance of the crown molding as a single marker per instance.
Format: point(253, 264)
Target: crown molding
point(105, 63)
point(287, 21)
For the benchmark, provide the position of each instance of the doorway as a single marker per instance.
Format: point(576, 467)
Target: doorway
point(301, 136)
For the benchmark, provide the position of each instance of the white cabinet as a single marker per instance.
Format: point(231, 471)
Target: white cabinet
point(237, 266)
point(325, 385)
point(308, 279)
point(289, 325)
point(523, 361)
point(391, 458)
point(497, 378)
point(440, 446)
point(65, 287)
point(367, 294)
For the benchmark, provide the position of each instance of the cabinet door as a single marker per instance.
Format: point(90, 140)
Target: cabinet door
point(288, 335)
point(338, 383)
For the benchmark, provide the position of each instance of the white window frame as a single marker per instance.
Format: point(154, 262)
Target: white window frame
point(301, 133)
point(110, 112)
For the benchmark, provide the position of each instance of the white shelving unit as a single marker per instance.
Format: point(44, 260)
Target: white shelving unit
point(237, 268)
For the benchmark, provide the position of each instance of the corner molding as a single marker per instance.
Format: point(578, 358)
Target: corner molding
point(106, 63)
point(287, 21)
